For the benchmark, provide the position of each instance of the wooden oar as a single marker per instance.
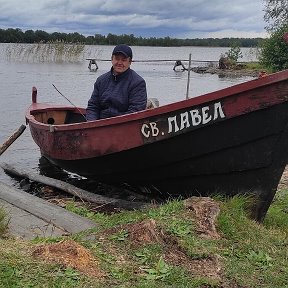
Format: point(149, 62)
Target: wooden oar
point(12, 138)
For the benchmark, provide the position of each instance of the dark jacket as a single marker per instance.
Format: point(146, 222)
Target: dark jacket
point(115, 95)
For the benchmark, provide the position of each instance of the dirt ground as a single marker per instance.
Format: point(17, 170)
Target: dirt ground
point(205, 210)
point(69, 254)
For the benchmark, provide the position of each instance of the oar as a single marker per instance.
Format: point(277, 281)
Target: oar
point(12, 138)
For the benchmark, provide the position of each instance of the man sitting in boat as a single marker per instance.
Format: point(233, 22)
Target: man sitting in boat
point(119, 91)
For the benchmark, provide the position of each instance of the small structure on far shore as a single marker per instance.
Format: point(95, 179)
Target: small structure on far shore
point(92, 66)
point(179, 63)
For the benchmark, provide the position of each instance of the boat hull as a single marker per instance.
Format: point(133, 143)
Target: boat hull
point(228, 142)
point(245, 155)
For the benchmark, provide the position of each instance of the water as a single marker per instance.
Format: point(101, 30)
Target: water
point(76, 82)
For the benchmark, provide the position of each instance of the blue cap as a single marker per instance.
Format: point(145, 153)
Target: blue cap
point(123, 49)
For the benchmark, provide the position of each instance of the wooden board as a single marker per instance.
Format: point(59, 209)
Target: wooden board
point(35, 209)
point(24, 225)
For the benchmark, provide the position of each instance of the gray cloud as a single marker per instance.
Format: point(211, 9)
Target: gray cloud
point(174, 18)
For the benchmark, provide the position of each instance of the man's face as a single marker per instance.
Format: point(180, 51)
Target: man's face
point(120, 63)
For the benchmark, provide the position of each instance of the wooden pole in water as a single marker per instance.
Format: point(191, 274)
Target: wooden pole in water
point(12, 138)
point(188, 81)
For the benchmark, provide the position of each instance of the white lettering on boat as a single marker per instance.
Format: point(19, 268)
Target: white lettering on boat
point(150, 129)
point(183, 121)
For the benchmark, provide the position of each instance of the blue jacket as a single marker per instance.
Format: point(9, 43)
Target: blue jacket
point(115, 95)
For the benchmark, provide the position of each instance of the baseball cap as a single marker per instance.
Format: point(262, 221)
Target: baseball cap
point(123, 49)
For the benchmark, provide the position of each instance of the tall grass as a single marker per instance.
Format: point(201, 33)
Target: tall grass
point(57, 51)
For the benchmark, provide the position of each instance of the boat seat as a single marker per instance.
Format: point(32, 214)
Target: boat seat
point(72, 117)
point(152, 103)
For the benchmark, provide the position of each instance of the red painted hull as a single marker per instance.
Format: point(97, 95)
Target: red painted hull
point(229, 141)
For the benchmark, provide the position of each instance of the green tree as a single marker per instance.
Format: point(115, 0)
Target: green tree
point(112, 39)
point(17, 36)
point(274, 52)
point(75, 38)
point(276, 14)
point(99, 39)
point(234, 53)
point(41, 36)
point(14, 35)
point(29, 36)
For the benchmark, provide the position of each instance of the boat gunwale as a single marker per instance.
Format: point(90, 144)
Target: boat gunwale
point(150, 113)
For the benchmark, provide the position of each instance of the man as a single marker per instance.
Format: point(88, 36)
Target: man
point(119, 91)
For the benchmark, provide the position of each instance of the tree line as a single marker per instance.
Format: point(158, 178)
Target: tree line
point(11, 35)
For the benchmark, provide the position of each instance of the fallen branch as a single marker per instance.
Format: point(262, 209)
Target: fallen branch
point(71, 189)
point(11, 139)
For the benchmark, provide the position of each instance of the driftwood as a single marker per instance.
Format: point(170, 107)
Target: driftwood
point(11, 139)
point(71, 189)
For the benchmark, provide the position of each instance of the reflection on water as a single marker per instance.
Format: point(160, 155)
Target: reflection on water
point(76, 82)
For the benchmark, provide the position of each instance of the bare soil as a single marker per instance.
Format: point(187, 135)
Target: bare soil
point(150, 232)
point(69, 254)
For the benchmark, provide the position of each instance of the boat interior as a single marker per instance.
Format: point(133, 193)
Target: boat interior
point(58, 117)
point(67, 115)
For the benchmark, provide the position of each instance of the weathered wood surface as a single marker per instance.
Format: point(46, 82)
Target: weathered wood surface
point(51, 214)
point(71, 189)
point(11, 139)
point(24, 225)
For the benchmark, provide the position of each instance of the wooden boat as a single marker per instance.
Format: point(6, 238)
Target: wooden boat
point(227, 142)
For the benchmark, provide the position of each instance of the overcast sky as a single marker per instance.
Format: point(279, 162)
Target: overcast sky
point(146, 18)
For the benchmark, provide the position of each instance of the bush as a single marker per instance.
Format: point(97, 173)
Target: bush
point(274, 52)
point(234, 53)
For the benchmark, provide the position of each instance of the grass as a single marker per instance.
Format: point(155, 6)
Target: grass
point(3, 222)
point(254, 66)
point(248, 254)
point(57, 52)
point(257, 66)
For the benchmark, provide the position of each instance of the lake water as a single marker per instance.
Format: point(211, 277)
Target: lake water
point(75, 81)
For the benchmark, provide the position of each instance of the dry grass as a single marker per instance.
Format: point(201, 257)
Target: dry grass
point(56, 52)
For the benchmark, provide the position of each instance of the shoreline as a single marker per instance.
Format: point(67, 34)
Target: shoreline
point(226, 72)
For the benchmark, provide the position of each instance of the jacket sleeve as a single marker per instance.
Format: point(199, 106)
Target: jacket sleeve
point(92, 110)
point(138, 97)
